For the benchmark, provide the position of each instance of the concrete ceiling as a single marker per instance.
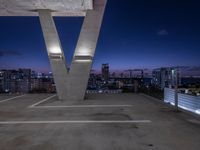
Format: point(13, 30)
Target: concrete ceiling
point(58, 7)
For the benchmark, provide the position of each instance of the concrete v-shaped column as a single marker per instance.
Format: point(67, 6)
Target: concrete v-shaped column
point(55, 53)
point(84, 53)
point(72, 86)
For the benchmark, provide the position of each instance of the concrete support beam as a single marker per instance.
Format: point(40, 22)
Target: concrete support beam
point(55, 53)
point(85, 49)
point(72, 85)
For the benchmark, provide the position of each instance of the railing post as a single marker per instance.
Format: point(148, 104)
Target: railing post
point(176, 97)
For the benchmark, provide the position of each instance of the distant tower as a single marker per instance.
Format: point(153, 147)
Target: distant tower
point(121, 75)
point(175, 78)
point(105, 71)
point(167, 77)
point(113, 75)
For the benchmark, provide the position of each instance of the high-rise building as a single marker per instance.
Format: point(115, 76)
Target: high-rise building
point(166, 77)
point(113, 75)
point(42, 85)
point(1, 81)
point(175, 77)
point(105, 72)
point(15, 80)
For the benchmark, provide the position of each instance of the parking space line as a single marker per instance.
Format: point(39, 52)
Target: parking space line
point(83, 106)
point(44, 100)
point(74, 122)
point(194, 121)
point(8, 99)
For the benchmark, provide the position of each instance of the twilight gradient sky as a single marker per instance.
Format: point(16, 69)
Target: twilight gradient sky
point(134, 34)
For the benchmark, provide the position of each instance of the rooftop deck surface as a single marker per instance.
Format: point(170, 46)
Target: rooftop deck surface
point(101, 122)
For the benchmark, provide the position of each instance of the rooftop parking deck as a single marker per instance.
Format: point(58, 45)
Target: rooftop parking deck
point(101, 122)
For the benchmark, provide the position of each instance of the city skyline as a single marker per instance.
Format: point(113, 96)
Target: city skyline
point(162, 35)
point(186, 71)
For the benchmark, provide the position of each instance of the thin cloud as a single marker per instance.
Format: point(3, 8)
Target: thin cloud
point(9, 53)
point(162, 32)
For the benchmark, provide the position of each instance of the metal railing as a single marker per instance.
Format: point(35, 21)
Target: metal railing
point(103, 91)
point(185, 101)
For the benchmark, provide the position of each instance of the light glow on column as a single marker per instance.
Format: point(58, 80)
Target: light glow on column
point(83, 52)
point(55, 50)
point(82, 61)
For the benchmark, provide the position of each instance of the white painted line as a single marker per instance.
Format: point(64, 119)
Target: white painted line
point(44, 100)
point(8, 99)
point(194, 121)
point(82, 106)
point(74, 121)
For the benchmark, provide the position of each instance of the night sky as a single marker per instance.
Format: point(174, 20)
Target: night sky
point(134, 34)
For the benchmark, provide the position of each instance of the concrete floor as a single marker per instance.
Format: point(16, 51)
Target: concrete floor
point(20, 128)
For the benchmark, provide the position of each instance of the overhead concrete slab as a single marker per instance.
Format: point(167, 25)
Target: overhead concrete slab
point(58, 7)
